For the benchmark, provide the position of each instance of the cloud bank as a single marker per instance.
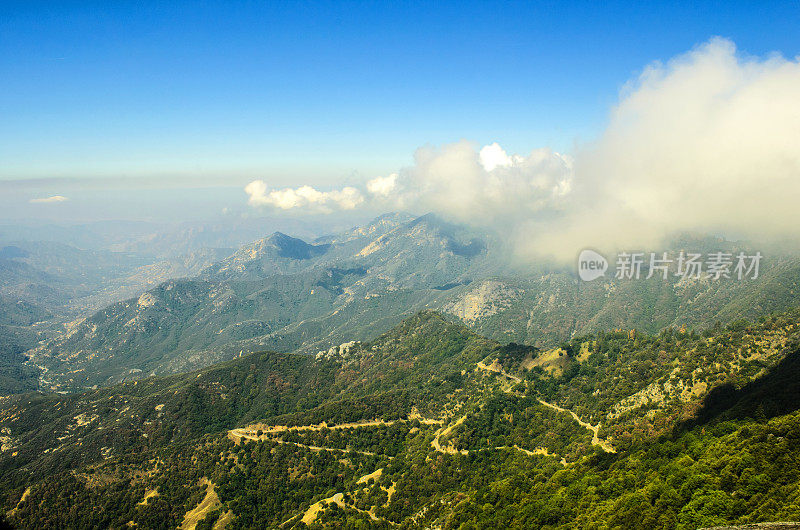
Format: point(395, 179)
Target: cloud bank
point(457, 180)
point(304, 197)
point(709, 141)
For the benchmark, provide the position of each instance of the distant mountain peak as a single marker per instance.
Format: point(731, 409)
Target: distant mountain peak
point(294, 248)
point(278, 236)
point(275, 254)
point(396, 217)
point(429, 219)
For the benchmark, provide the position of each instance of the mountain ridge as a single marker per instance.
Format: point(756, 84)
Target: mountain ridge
point(367, 280)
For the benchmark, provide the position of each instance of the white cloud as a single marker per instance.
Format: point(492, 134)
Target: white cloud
point(493, 156)
point(382, 186)
point(304, 197)
point(709, 141)
point(452, 180)
point(49, 200)
point(484, 186)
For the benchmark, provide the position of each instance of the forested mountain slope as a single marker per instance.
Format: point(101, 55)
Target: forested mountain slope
point(429, 425)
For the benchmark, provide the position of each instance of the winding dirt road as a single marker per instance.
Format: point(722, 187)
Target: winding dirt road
point(605, 445)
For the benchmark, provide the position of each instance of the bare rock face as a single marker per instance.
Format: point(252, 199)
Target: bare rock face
point(489, 298)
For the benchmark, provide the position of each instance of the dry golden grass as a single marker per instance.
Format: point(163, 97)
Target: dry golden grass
point(209, 502)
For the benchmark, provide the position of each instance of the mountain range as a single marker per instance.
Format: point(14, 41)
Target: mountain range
point(409, 372)
point(286, 294)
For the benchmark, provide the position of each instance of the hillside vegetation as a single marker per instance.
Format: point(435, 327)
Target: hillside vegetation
point(429, 425)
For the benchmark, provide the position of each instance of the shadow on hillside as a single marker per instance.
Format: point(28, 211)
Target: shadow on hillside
point(774, 394)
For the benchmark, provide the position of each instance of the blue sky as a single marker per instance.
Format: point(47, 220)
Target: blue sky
point(325, 93)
